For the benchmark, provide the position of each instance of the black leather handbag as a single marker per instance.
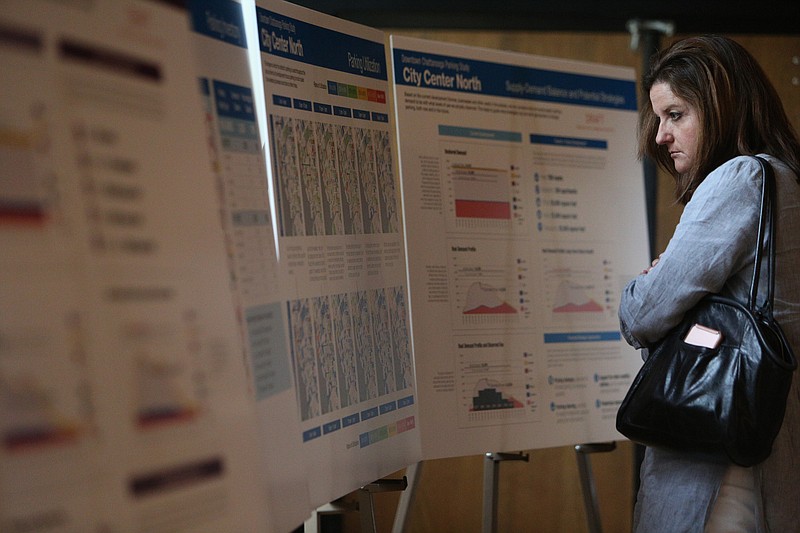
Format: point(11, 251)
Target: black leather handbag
point(723, 403)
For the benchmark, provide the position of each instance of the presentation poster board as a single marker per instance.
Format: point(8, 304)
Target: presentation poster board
point(208, 277)
point(346, 413)
point(524, 213)
point(123, 398)
point(233, 100)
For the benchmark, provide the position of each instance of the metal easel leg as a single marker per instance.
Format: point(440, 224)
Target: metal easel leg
point(582, 452)
point(491, 476)
point(413, 473)
point(365, 505)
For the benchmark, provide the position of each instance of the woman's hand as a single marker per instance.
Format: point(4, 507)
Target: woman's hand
point(653, 264)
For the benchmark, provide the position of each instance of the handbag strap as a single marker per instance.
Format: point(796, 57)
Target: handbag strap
point(766, 229)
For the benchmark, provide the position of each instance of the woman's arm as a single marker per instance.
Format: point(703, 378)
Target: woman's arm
point(714, 239)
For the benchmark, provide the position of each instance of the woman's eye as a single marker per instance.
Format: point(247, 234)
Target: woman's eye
point(674, 115)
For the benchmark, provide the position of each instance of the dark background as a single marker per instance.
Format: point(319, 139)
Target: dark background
point(688, 16)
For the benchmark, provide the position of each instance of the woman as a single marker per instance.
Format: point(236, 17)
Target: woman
point(710, 108)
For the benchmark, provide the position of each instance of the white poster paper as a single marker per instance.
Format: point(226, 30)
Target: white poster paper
point(351, 416)
point(524, 215)
point(123, 398)
point(236, 149)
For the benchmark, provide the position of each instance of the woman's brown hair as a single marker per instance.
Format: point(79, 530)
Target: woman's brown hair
point(739, 110)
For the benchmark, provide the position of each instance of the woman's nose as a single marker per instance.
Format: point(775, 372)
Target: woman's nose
point(663, 135)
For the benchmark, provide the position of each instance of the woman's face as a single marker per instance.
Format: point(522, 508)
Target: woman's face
point(678, 126)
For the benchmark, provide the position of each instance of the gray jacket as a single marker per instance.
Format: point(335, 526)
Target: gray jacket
point(711, 251)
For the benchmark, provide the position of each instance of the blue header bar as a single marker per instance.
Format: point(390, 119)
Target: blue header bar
point(219, 19)
point(300, 41)
point(311, 434)
point(340, 111)
point(303, 105)
point(587, 336)
point(575, 142)
point(234, 101)
point(388, 407)
point(372, 412)
point(477, 133)
point(432, 71)
point(325, 109)
point(350, 420)
point(405, 402)
point(282, 101)
point(330, 427)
